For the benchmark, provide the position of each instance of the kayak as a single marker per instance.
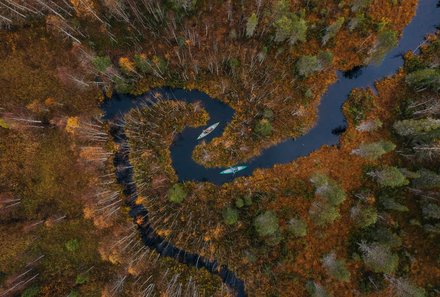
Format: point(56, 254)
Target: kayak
point(233, 170)
point(208, 130)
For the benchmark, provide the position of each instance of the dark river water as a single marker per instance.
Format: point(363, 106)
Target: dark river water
point(330, 112)
point(330, 119)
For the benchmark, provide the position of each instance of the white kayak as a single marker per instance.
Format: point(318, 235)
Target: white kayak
point(233, 170)
point(208, 130)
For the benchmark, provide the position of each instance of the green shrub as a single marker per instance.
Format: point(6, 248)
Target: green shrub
point(31, 292)
point(297, 227)
point(101, 64)
point(251, 25)
point(122, 86)
point(142, 64)
point(72, 245)
point(266, 224)
point(239, 203)
point(3, 124)
point(177, 193)
point(316, 290)
point(307, 65)
point(73, 293)
point(263, 128)
point(248, 200)
point(81, 279)
point(230, 216)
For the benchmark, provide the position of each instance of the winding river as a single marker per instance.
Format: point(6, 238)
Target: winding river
point(330, 119)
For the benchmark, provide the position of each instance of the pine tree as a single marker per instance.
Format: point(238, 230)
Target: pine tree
point(251, 25)
point(390, 177)
point(431, 211)
point(379, 258)
point(364, 216)
point(328, 189)
point(230, 216)
point(297, 227)
point(307, 65)
point(386, 40)
point(427, 180)
point(323, 213)
point(416, 127)
point(369, 126)
point(290, 27)
point(421, 80)
point(374, 151)
point(101, 63)
point(336, 268)
point(404, 288)
point(177, 193)
point(316, 290)
point(266, 224)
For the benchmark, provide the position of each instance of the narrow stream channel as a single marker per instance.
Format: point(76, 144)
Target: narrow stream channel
point(330, 118)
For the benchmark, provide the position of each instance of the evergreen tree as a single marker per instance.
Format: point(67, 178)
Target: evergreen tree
point(431, 211)
point(328, 189)
point(263, 128)
point(290, 27)
point(230, 216)
point(424, 79)
point(374, 151)
point(379, 258)
point(297, 227)
point(364, 216)
point(386, 40)
point(390, 177)
point(369, 126)
point(416, 127)
point(307, 65)
point(336, 268)
point(251, 25)
point(426, 179)
point(101, 63)
point(142, 64)
point(323, 213)
point(404, 288)
point(266, 224)
point(177, 193)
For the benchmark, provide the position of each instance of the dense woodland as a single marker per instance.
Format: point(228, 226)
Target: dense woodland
point(358, 219)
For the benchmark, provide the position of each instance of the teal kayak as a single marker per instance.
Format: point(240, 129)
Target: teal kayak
point(233, 170)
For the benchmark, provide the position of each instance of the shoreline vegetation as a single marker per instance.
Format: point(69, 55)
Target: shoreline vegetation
point(360, 219)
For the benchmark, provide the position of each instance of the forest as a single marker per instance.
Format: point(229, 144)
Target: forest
point(92, 203)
